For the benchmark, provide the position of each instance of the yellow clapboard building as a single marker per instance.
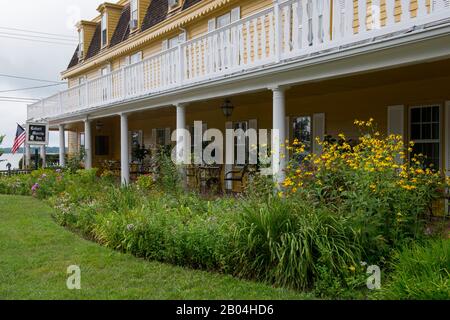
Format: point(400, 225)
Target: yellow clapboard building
point(308, 68)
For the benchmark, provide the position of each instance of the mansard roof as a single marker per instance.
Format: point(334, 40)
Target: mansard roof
point(157, 12)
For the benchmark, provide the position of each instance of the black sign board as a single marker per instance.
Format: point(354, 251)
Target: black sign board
point(37, 133)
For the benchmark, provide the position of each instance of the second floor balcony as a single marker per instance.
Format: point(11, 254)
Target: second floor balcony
point(286, 31)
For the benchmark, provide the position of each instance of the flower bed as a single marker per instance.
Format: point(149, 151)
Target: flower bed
point(351, 204)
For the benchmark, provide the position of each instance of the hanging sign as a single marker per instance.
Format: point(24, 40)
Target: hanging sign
point(37, 133)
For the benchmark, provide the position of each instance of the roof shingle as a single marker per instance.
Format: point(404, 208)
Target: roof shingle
point(95, 45)
point(122, 31)
point(74, 61)
point(157, 12)
point(190, 3)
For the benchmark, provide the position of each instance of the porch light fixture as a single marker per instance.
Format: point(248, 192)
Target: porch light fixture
point(227, 108)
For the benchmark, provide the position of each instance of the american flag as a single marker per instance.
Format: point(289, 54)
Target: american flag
point(19, 140)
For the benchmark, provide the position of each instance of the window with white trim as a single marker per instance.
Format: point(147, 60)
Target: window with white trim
point(80, 44)
point(173, 42)
point(161, 137)
point(302, 132)
point(241, 142)
point(136, 145)
point(223, 20)
point(135, 58)
point(104, 27)
point(105, 71)
point(425, 131)
point(82, 141)
point(133, 14)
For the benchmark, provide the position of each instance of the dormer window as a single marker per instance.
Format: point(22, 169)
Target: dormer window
point(173, 4)
point(104, 29)
point(80, 44)
point(133, 14)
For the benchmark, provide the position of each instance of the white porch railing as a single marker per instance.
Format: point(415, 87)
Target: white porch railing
point(286, 30)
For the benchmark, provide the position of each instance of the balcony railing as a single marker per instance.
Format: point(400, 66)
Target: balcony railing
point(284, 31)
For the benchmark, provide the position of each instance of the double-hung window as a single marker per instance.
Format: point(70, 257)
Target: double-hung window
point(136, 145)
point(104, 29)
point(425, 131)
point(135, 58)
point(80, 44)
point(241, 143)
point(302, 133)
point(105, 82)
point(82, 142)
point(133, 14)
point(173, 42)
point(223, 20)
point(161, 137)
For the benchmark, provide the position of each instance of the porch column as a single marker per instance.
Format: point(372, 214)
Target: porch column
point(279, 134)
point(27, 160)
point(87, 144)
point(180, 135)
point(124, 157)
point(62, 146)
point(43, 156)
point(181, 127)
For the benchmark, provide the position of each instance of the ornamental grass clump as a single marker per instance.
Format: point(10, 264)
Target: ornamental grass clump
point(289, 244)
point(373, 182)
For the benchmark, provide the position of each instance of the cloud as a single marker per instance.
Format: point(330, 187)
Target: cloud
point(35, 59)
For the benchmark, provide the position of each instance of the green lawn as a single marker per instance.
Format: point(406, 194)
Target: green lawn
point(35, 253)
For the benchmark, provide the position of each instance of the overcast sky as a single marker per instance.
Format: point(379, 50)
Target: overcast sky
point(35, 59)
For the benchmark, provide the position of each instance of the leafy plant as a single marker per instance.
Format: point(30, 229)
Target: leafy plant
point(372, 183)
point(419, 271)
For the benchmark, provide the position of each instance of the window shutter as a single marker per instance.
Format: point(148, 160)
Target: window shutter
point(229, 167)
point(396, 121)
point(153, 138)
point(288, 137)
point(446, 124)
point(318, 131)
point(130, 156)
point(182, 37)
point(168, 137)
point(165, 45)
point(253, 154)
point(253, 124)
point(235, 14)
point(212, 25)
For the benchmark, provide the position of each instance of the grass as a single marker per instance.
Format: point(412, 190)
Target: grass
point(35, 253)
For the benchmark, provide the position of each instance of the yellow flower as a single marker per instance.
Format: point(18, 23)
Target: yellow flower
point(352, 268)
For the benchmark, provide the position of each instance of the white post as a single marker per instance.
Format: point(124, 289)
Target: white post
point(181, 149)
point(124, 156)
point(279, 134)
point(87, 144)
point(43, 156)
point(27, 164)
point(62, 146)
point(181, 127)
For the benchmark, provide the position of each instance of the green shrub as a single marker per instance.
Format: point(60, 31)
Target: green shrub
point(419, 271)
